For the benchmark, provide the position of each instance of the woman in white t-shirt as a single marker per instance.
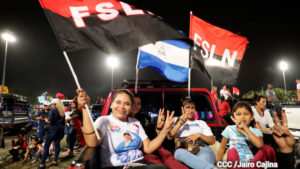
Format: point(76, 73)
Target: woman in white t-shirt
point(262, 115)
point(121, 136)
point(189, 130)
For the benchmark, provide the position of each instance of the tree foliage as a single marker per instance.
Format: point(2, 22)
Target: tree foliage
point(289, 95)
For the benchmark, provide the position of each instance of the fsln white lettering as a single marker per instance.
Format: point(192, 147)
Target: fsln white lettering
point(129, 11)
point(205, 48)
point(78, 13)
point(231, 59)
point(105, 13)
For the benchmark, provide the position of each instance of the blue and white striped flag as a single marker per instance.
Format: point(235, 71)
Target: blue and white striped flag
point(169, 57)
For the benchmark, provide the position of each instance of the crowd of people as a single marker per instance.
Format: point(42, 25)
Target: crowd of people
point(252, 134)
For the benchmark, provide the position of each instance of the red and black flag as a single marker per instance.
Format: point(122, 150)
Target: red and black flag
point(221, 51)
point(110, 25)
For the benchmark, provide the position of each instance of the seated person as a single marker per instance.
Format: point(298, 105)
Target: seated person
point(245, 142)
point(33, 150)
point(190, 132)
point(262, 115)
point(161, 156)
point(121, 137)
point(18, 147)
point(285, 141)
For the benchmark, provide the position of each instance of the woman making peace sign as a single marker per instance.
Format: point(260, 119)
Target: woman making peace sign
point(121, 136)
point(192, 131)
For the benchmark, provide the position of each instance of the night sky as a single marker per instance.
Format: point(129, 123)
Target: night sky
point(36, 61)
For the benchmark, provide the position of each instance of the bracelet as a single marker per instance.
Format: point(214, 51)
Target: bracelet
point(89, 133)
point(159, 128)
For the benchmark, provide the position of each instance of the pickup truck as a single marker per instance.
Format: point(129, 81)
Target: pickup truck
point(15, 111)
point(292, 111)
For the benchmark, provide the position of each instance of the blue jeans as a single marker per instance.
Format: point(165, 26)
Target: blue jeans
point(55, 136)
point(41, 132)
point(71, 136)
point(205, 159)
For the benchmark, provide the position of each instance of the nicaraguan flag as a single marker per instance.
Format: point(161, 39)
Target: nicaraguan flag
point(169, 57)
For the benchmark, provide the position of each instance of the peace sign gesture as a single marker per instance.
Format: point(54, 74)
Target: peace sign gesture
point(169, 120)
point(183, 117)
point(282, 135)
point(240, 126)
point(160, 119)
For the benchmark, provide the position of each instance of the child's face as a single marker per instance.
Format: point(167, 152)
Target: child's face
point(34, 142)
point(189, 109)
point(243, 115)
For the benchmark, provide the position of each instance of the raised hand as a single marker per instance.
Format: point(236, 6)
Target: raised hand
point(282, 135)
point(169, 120)
point(161, 119)
point(83, 98)
point(239, 125)
point(183, 117)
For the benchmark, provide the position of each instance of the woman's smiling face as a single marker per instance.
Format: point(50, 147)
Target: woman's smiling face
point(121, 106)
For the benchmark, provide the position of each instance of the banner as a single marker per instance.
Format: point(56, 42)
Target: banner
point(221, 50)
point(170, 58)
point(110, 25)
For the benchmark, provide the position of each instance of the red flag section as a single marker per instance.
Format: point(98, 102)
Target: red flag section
point(221, 50)
point(110, 25)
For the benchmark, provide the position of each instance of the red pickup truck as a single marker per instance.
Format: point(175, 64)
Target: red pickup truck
point(169, 98)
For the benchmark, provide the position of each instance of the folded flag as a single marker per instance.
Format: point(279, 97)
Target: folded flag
point(169, 57)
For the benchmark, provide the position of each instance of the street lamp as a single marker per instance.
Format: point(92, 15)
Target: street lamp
point(112, 62)
point(8, 37)
point(283, 66)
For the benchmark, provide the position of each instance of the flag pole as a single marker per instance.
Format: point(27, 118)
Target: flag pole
point(190, 59)
point(137, 71)
point(78, 86)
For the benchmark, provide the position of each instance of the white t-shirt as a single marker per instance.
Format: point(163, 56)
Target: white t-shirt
point(263, 120)
point(224, 93)
point(67, 116)
point(193, 127)
point(115, 151)
point(298, 86)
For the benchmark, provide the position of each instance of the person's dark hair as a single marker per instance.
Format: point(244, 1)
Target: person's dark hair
point(241, 104)
point(76, 103)
point(21, 133)
point(258, 98)
point(187, 100)
point(125, 91)
point(222, 98)
point(126, 134)
point(136, 95)
point(34, 137)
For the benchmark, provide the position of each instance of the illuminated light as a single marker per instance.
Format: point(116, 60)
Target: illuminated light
point(283, 65)
point(112, 62)
point(8, 37)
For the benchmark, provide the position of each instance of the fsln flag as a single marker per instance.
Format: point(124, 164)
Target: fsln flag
point(110, 25)
point(169, 57)
point(221, 50)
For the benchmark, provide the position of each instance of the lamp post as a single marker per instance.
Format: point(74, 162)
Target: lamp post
point(283, 66)
point(112, 62)
point(8, 37)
